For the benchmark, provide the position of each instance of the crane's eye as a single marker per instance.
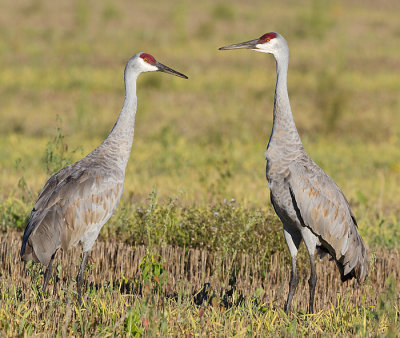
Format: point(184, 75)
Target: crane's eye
point(265, 39)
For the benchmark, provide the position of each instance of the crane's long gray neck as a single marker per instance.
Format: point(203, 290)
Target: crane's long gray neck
point(118, 144)
point(284, 132)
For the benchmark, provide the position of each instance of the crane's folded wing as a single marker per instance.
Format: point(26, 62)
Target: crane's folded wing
point(81, 202)
point(323, 208)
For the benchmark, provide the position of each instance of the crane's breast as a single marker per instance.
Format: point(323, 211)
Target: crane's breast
point(282, 203)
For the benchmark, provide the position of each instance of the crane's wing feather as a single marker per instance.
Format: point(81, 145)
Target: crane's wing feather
point(75, 201)
point(41, 202)
point(326, 212)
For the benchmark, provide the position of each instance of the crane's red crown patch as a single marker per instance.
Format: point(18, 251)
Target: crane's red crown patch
point(267, 37)
point(148, 58)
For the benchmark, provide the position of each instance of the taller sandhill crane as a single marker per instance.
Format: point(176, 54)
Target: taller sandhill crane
point(78, 200)
point(308, 202)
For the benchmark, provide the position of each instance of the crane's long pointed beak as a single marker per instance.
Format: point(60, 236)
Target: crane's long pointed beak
point(247, 45)
point(165, 69)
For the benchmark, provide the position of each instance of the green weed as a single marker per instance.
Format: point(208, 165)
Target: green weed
point(57, 154)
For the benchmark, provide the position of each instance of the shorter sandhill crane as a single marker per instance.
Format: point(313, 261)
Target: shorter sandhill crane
point(308, 202)
point(78, 200)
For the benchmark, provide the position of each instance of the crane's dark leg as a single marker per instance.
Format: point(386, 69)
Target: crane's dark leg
point(47, 276)
point(294, 281)
point(293, 240)
point(312, 282)
point(311, 243)
point(79, 277)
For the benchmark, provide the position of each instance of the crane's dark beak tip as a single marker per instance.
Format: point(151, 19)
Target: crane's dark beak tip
point(165, 69)
point(227, 47)
point(183, 76)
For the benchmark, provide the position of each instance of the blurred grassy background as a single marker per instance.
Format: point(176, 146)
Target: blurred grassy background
point(202, 140)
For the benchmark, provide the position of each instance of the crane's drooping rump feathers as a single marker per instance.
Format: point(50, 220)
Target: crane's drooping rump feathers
point(78, 200)
point(310, 205)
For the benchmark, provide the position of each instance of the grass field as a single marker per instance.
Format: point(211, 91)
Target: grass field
point(196, 176)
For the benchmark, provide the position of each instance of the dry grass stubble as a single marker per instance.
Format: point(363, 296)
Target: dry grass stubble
point(115, 276)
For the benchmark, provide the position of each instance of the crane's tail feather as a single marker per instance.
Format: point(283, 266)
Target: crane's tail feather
point(27, 253)
point(354, 263)
point(43, 241)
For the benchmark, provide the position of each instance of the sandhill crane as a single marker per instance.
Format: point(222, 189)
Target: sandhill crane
point(308, 202)
point(77, 201)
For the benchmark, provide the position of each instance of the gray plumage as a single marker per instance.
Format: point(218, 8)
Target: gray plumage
point(309, 203)
point(78, 200)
